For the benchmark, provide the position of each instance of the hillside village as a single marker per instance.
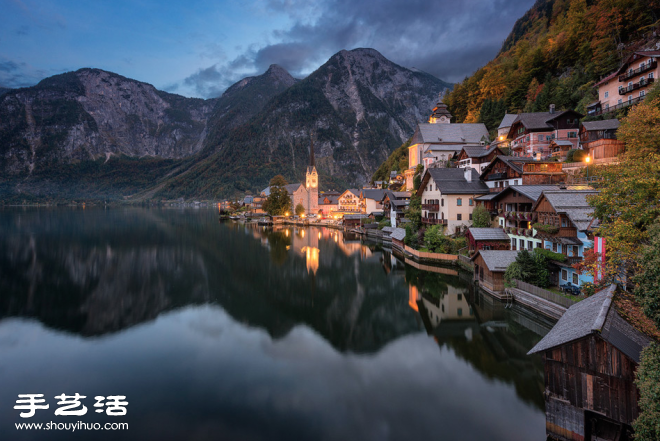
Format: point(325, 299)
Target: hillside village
point(517, 211)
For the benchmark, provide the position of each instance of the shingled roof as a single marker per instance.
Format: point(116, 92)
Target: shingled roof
point(607, 124)
point(508, 120)
point(488, 234)
point(478, 151)
point(376, 194)
point(398, 234)
point(452, 181)
point(497, 261)
point(427, 133)
point(540, 120)
point(574, 204)
point(595, 315)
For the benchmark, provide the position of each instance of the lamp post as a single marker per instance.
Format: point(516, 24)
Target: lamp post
point(588, 159)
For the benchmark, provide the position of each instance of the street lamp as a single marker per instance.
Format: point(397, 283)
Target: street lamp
point(588, 159)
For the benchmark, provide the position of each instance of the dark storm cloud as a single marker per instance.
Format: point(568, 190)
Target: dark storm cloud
point(209, 82)
point(448, 39)
point(14, 75)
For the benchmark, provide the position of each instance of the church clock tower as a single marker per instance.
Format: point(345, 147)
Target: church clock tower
point(312, 183)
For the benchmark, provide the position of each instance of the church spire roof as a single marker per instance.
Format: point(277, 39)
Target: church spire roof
point(440, 112)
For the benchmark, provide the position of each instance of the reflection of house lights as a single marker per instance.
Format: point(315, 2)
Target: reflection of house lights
point(286, 232)
point(312, 258)
point(302, 233)
point(335, 238)
point(319, 234)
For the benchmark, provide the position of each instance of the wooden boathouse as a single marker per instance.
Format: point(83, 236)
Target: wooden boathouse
point(590, 357)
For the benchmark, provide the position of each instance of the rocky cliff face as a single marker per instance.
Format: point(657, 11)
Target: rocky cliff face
point(80, 127)
point(360, 107)
point(91, 113)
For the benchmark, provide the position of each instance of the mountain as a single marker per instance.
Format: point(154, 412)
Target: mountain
point(553, 55)
point(359, 106)
point(3, 90)
point(96, 134)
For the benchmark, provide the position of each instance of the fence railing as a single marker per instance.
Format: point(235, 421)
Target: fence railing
point(433, 256)
point(545, 294)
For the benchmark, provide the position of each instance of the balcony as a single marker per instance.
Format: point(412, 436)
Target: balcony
point(626, 103)
point(642, 83)
point(431, 221)
point(431, 207)
point(648, 66)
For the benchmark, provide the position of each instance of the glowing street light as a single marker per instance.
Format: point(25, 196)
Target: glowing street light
point(588, 159)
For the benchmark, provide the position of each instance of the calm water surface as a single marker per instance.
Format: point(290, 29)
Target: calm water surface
point(231, 331)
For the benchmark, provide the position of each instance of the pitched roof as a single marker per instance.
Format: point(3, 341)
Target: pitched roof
point(488, 234)
point(595, 315)
point(607, 124)
point(376, 194)
point(606, 79)
point(562, 142)
point(426, 133)
point(452, 181)
point(355, 192)
point(402, 194)
point(478, 151)
point(398, 234)
point(508, 120)
point(355, 216)
point(497, 261)
point(573, 203)
point(290, 188)
point(540, 120)
point(332, 199)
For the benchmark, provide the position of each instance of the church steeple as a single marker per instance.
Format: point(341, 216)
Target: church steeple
point(312, 181)
point(440, 113)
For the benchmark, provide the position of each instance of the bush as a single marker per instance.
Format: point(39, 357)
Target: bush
point(480, 217)
point(559, 257)
point(647, 425)
point(575, 155)
point(384, 223)
point(529, 267)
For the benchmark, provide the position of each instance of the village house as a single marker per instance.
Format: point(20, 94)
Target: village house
point(477, 157)
point(395, 204)
point(598, 139)
point(437, 141)
point(448, 197)
point(531, 133)
point(563, 222)
point(628, 85)
point(513, 208)
point(352, 221)
point(590, 359)
point(487, 239)
point(502, 140)
point(489, 268)
point(328, 203)
point(505, 171)
point(559, 149)
point(371, 201)
point(349, 201)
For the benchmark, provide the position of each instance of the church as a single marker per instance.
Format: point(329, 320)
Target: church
point(307, 194)
point(437, 141)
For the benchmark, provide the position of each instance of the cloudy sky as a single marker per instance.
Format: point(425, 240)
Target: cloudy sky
point(200, 47)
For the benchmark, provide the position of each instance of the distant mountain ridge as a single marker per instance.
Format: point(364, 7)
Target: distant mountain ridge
point(92, 134)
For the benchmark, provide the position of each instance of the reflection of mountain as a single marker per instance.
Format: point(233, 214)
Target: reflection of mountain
point(101, 271)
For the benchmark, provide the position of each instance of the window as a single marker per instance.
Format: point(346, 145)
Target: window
point(564, 274)
point(459, 297)
point(575, 279)
point(629, 83)
point(563, 222)
point(459, 202)
point(620, 101)
point(607, 94)
point(470, 216)
point(642, 93)
point(442, 202)
point(530, 245)
point(470, 202)
point(554, 247)
point(540, 138)
point(650, 75)
point(538, 244)
point(630, 98)
point(459, 217)
point(572, 134)
point(515, 182)
point(513, 244)
point(460, 312)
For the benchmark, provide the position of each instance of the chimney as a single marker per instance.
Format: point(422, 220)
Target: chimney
point(468, 174)
point(552, 109)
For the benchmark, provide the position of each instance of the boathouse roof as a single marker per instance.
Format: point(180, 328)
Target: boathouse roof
point(595, 315)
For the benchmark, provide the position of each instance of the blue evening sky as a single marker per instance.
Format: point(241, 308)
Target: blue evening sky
point(200, 47)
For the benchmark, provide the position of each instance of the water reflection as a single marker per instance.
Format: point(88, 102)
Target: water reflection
point(240, 331)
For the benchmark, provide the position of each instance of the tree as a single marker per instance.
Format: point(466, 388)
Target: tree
point(530, 268)
point(436, 241)
point(480, 217)
point(647, 425)
point(414, 212)
point(647, 278)
point(278, 181)
point(300, 209)
point(278, 202)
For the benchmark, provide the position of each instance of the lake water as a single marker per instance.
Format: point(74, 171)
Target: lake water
point(232, 331)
